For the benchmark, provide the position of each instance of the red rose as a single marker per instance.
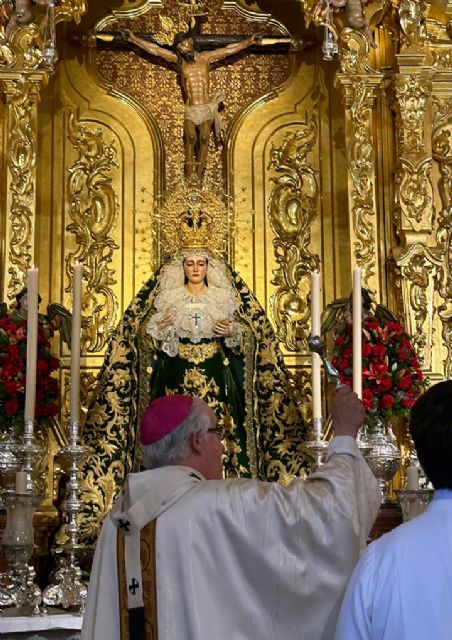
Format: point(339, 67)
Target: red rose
point(405, 382)
point(378, 351)
point(366, 349)
point(10, 370)
point(394, 329)
point(42, 367)
point(386, 384)
point(370, 324)
point(367, 399)
point(344, 364)
point(348, 349)
point(379, 369)
point(11, 386)
point(11, 408)
point(387, 401)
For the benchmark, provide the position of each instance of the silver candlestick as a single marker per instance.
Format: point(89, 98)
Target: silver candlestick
point(413, 502)
point(67, 588)
point(317, 447)
point(317, 345)
point(17, 586)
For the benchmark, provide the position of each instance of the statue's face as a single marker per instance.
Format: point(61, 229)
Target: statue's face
point(186, 49)
point(195, 268)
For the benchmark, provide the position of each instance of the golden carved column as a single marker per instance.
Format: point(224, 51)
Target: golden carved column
point(21, 82)
point(23, 73)
point(417, 257)
point(360, 84)
point(442, 156)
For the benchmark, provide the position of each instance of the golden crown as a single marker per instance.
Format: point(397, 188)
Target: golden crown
point(194, 217)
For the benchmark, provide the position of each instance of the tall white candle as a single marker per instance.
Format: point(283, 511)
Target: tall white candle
point(315, 331)
point(357, 333)
point(75, 342)
point(32, 343)
point(412, 478)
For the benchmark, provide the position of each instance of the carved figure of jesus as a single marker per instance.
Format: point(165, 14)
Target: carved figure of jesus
point(200, 109)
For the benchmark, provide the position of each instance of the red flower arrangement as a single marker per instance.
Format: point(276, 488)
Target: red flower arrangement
point(13, 354)
point(392, 378)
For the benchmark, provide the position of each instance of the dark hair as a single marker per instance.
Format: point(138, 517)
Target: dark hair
point(206, 282)
point(431, 430)
point(181, 37)
point(20, 295)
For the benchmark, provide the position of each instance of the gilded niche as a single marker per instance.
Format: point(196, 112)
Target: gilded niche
point(242, 79)
point(292, 210)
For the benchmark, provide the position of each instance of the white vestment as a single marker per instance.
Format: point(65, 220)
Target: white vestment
point(402, 586)
point(241, 559)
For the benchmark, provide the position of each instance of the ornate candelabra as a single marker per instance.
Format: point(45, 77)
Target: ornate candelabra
point(317, 447)
point(413, 502)
point(17, 587)
point(67, 588)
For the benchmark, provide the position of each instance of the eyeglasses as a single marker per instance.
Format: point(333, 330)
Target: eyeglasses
point(217, 430)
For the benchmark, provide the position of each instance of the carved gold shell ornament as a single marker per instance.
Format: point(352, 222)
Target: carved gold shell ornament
point(194, 217)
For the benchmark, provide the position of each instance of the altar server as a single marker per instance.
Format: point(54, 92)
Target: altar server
point(402, 586)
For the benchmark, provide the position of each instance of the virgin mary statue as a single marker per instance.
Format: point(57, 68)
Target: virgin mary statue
point(194, 328)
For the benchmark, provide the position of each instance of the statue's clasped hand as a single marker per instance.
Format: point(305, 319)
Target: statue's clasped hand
point(224, 328)
point(167, 321)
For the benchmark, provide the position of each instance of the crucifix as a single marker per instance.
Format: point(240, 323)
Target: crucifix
point(193, 53)
point(196, 317)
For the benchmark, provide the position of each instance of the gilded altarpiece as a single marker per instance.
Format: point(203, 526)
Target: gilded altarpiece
point(326, 165)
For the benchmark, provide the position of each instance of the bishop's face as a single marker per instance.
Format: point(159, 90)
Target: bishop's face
point(195, 269)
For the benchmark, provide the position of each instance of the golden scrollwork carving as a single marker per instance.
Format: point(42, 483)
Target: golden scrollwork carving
point(354, 55)
point(419, 268)
point(412, 93)
point(442, 58)
point(412, 15)
point(292, 210)
point(413, 186)
point(361, 167)
point(70, 10)
point(359, 84)
point(442, 154)
point(21, 51)
point(414, 195)
point(21, 94)
point(93, 208)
